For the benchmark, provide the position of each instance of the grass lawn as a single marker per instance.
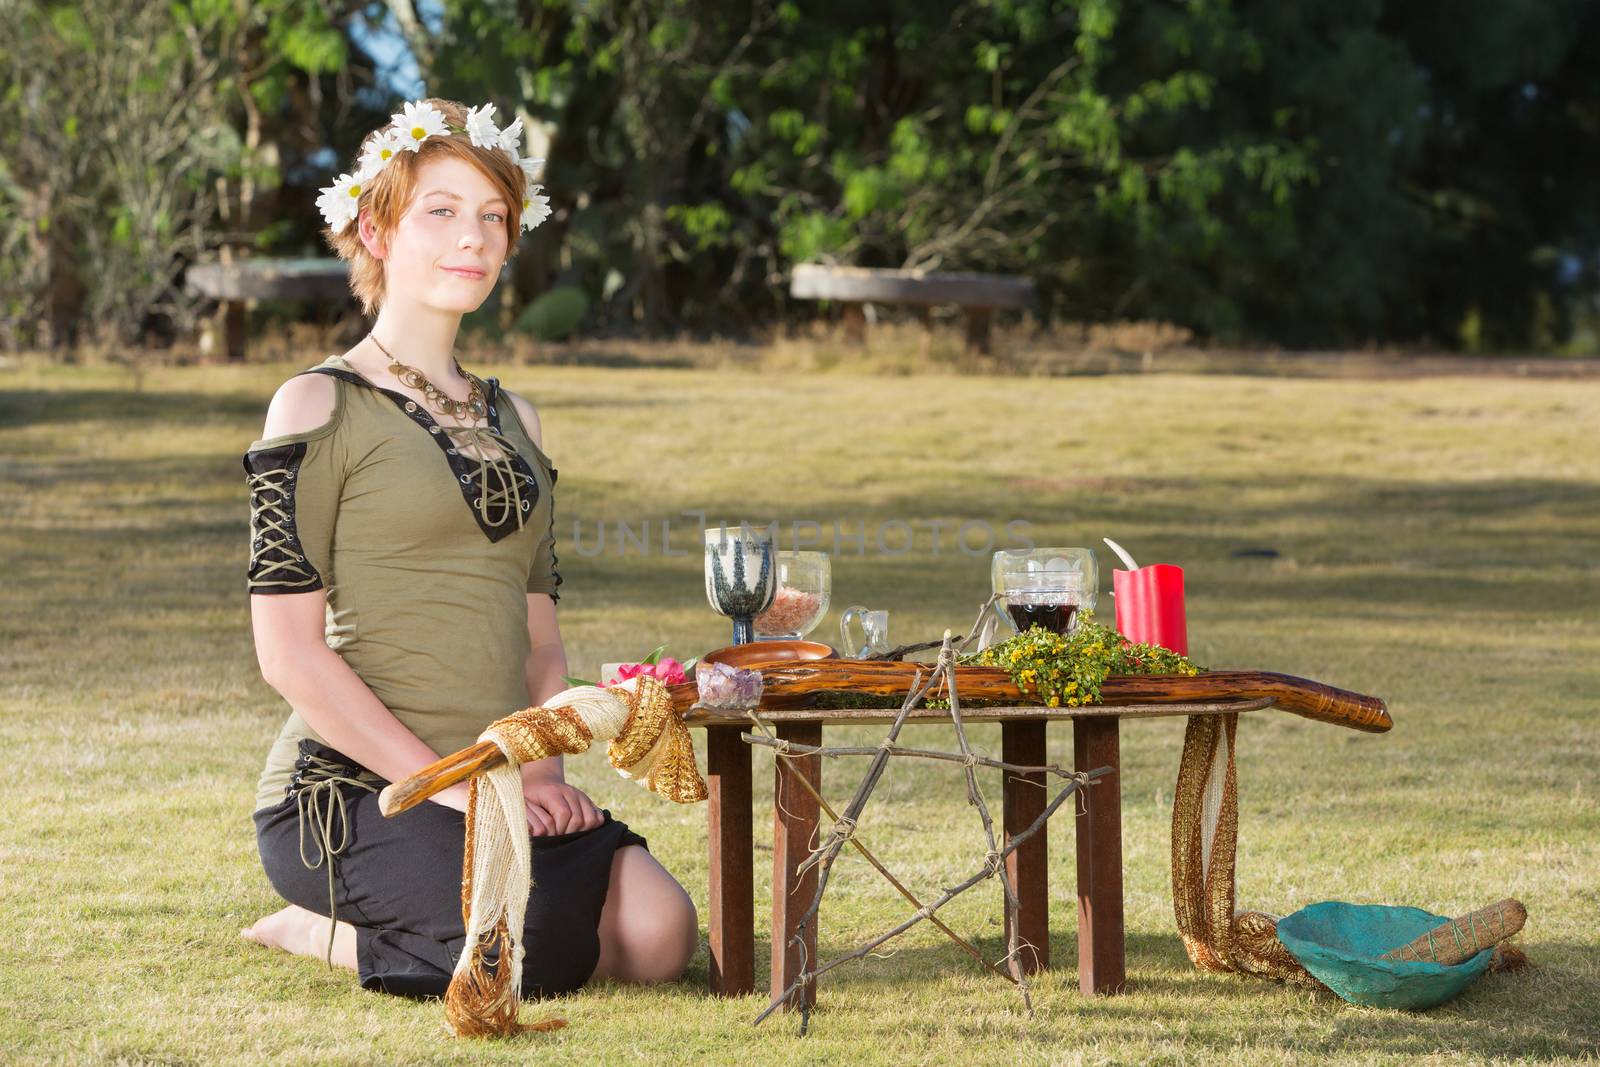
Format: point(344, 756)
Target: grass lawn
point(1436, 545)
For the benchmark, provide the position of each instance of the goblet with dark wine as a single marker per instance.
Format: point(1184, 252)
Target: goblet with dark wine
point(1057, 618)
point(1044, 586)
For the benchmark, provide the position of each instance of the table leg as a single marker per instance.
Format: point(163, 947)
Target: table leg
point(732, 896)
point(1101, 963)
point(795, 818)
point(1023, 798)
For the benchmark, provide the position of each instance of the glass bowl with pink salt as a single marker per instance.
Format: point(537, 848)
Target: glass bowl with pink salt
point(805, 584)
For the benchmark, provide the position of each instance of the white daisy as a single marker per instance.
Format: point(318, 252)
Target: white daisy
point(481, 128)
point(380, 150)
point(419, 121)
point(535, 208)
point(531, 168)
point(339, 202)
point(511, 139)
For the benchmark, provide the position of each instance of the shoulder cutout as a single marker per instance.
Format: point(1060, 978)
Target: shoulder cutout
point(302, 405)
point(529, 417)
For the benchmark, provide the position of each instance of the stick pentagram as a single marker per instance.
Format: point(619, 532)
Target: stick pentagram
point(845, 827)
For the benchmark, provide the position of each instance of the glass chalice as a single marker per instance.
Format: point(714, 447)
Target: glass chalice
point(741, 576)
point(805, 585)
point(1048, 586)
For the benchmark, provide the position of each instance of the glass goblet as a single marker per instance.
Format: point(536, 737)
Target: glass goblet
point(1048, 586)
point(741, 579)
point(805, 585)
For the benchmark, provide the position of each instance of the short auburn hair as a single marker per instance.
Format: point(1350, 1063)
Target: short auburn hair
point(388, 195)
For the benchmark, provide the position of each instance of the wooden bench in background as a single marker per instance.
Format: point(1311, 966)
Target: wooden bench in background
point(978, 294)
point(323, 280)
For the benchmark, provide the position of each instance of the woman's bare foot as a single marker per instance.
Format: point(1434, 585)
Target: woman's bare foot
point(304, 933)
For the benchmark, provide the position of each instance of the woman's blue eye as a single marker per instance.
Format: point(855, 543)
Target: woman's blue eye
point(497, 216)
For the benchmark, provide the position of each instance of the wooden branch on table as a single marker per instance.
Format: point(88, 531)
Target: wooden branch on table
point(780, 678)
point(790, 678)
point(1301, 696)
point(899, 652)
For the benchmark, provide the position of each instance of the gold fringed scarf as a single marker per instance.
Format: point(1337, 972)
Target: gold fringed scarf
point(1205, 838)
point(648, 741)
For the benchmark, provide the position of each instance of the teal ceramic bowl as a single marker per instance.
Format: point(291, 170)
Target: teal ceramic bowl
point(1340, 944)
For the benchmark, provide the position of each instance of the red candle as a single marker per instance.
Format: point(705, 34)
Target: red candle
point(1150, 606)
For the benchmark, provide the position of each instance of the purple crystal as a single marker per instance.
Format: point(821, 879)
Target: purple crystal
point(727, 688)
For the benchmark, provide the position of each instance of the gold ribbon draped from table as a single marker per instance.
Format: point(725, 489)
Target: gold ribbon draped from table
point(648, 741)
point(1205, 838)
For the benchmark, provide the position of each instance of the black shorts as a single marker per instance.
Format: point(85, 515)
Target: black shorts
point(398, 882)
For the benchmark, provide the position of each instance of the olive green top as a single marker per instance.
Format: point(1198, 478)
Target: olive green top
point(426, 554)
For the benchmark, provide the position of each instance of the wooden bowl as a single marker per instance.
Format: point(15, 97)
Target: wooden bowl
point(774, 651)
point(767, 651)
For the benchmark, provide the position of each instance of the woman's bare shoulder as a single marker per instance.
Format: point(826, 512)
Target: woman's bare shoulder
point(304, 403)
point(529, 416)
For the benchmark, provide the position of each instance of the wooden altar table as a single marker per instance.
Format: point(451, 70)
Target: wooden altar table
point(1096, 743)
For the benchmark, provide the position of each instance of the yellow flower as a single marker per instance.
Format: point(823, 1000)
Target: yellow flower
point(1055, 702)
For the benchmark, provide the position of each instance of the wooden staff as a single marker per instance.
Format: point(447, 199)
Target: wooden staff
point(1300, 696)
point(792, 678)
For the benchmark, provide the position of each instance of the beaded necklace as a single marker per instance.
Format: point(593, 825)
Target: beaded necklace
point(474, 406)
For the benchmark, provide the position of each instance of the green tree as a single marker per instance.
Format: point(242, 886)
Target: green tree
point(703, 149)
point(141, 138)
point(1447, 147)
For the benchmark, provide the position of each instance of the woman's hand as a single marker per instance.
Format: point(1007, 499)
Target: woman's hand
point(558, 808)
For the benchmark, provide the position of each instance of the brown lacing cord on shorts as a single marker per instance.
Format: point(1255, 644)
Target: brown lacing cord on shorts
point(316, 784)
point(273, 528)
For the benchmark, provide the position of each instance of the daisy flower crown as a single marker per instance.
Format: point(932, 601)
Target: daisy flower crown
point(414, 124)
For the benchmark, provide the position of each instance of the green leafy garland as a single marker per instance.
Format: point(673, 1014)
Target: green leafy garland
point(1057, 670)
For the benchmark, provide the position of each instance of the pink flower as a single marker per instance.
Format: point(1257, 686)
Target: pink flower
point(626, 671)
point(666, 669)
point(670, 671)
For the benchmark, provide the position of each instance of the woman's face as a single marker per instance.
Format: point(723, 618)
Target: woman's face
point(448, 247)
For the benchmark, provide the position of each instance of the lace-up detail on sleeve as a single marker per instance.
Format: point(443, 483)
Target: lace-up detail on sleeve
point(278, 562)
point(294, 483)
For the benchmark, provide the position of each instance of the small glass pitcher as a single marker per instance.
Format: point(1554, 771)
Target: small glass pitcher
point(874, 631)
